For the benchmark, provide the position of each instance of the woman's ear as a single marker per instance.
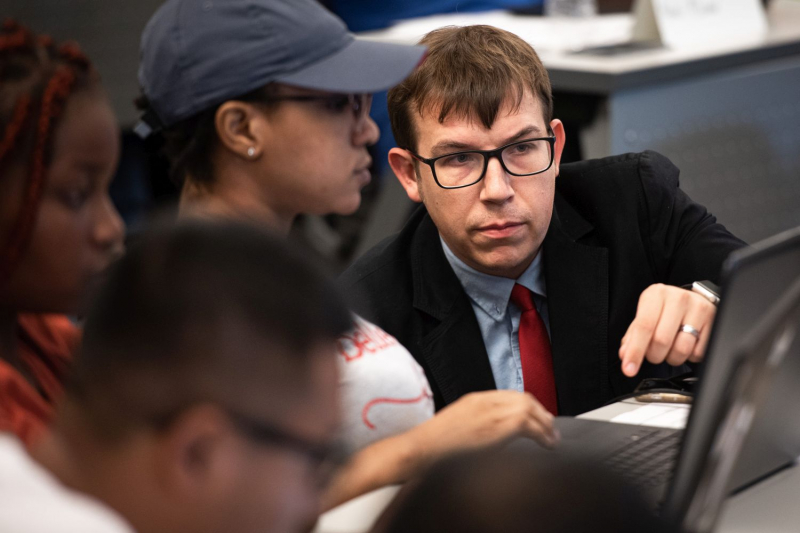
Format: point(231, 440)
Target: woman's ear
point(402, 163)
point(240, 128)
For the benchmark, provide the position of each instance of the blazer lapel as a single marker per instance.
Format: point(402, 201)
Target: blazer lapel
point(452, 347)
point(577, 300)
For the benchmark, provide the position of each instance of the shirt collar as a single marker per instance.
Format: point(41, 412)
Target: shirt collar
point(491, 293)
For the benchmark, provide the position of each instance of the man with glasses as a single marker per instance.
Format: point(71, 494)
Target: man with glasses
point(520, 273)
point(205, 396)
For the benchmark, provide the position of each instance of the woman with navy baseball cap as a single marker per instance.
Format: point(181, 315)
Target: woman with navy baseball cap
point(264, 110)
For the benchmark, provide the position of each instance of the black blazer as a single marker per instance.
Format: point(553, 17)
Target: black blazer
point(619, 225)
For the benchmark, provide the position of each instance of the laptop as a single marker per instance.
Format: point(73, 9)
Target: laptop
point(698, 491)
point(671, 465)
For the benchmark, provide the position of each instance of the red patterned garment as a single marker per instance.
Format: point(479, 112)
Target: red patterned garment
point(46, 347)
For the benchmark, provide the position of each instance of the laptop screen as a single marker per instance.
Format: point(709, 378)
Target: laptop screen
point(754, 279)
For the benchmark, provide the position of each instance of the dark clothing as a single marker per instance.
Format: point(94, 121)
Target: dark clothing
point(620, 224)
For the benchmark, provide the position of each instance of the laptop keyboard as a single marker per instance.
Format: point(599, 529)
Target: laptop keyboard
point(648, 458)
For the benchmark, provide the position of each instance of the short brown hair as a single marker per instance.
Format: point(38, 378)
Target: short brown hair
point(471, 71)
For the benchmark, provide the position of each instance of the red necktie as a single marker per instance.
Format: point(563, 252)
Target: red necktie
point(534, 351)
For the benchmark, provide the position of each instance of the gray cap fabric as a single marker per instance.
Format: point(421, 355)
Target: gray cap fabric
point(199, 53)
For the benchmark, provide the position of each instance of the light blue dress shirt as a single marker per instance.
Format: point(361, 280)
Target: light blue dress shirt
point(499, 321)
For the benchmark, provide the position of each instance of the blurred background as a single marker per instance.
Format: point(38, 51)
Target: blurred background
point(727, 114)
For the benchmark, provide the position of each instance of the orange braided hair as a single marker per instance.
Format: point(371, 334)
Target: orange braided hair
point(56, 73)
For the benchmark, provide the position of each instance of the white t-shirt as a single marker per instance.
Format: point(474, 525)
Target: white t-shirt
point(384, 390)
point(34, 501)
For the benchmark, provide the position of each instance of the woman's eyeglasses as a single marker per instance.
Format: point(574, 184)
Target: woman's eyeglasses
point(335, 103)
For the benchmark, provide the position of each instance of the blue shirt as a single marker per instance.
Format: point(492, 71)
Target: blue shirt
point(499, 321)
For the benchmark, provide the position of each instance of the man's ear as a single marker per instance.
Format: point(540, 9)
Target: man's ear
point(197, 456)
point(402, 163)
point(241, 128)
point(558, 130)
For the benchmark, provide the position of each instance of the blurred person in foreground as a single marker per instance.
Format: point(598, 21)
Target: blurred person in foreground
point(516, 491)
point(205, 395)
point(272, 122)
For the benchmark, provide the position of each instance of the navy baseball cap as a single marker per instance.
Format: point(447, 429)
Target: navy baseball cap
point(198, 53)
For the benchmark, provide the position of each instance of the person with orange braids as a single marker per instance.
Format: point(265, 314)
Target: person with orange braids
point(58, 229)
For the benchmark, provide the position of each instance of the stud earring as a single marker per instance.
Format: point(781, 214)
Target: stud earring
point(251, 152)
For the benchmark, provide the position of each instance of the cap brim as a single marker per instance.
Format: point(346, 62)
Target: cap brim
point(360, 67)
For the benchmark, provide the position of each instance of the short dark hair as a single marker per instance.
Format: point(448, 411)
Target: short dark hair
point(189, 144)
point(519, 489)
point(193, 313)
point(470, 71)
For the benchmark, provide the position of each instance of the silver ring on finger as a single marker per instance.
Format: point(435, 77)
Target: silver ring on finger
point(691, 330)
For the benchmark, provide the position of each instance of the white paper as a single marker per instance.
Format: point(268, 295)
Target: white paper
point(656, 414)
point(357, 515)
point(685, 23)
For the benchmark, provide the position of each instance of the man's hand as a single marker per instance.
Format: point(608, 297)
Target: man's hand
point(656, 332)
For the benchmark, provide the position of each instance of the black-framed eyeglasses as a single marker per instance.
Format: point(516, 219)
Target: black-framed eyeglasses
point(323, 457)
point(335, 103)
point(520, 158)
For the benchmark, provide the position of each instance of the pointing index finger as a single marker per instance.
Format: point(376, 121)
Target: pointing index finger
point(641, 330)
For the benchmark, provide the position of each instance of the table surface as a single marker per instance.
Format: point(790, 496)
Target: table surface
point(557, 40)
point(770, 506)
